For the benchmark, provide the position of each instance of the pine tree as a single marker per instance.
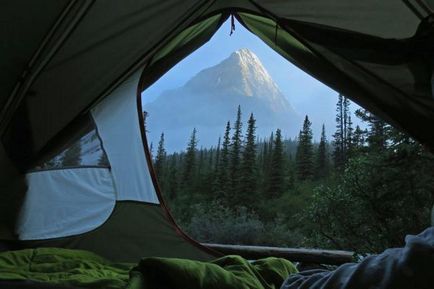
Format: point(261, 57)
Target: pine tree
point(200, 166)
point(276, 179)
point(160, 159)
point(145, 118)
point(268, 150)
point(339, 135)
point(265, 155)
point(235, 154)
point(346, 119)
point(358, 139)
point(102, 160)
point(343, 137)
point(190, 162)
point(322, 157)
point(349, 138)
point(377, 133)
point(291, 172)
point(270, 144)
point(72, 156)
point(171, 182)
point(151, 150)
point(248, 178)
point(304, 155)
point(221, 183)
point(210, 157)
point(217, 156)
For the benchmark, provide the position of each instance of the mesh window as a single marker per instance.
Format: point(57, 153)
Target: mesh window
point(87, 151)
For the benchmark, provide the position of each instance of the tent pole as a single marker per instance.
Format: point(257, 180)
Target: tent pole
point(31, 73)
point(418, 7)
point(425, 6)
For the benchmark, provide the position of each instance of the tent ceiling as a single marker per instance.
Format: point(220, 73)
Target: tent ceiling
point(22, 32)
point(388, 19)
point(99, 43)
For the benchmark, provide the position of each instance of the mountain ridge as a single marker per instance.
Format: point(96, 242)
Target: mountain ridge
point(210, 98)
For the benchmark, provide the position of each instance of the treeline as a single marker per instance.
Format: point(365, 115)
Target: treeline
point(241, 170)
point(355, 192)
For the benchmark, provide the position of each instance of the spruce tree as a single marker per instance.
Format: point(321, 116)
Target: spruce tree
point(190, 163)
point(210, 157)
point(221, 183)
point(377, 134)
point(268, 150)
point(263, 164)
point(291, 171)
point(276, 179)
point(304, 155)
point(151, 150)
point(160, 159)
point(343, 136)
point(201, 165)
point(322, 156)
point(339, 135)
point(270, 144)
point(235, 154)
point(145, 117)
point(265, 155)
point(248, 179)
point(102, 160)
point(171, 182)
point(346, 119)
point(349, 138)
point(358, 139)
point(217, 156)
point(72, 156)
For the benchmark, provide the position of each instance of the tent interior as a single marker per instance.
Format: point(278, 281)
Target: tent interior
point(78, 68)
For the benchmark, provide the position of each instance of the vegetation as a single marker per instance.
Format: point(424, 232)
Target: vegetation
point(364, 191)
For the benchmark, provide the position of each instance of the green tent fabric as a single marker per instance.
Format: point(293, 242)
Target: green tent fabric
point(63, 266)
point(134, 230)
point(88, 270)
point(59, 59)
point(377, 73)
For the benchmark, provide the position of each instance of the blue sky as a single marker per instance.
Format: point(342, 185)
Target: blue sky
point(306, 94)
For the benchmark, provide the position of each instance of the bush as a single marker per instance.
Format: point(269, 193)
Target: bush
point(215, 223)
point(377, 201)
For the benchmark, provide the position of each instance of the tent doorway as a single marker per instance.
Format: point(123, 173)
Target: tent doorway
point(301, 178)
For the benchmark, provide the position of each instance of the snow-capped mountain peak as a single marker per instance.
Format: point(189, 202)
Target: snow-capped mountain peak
point(211, 98)
point(241, 73)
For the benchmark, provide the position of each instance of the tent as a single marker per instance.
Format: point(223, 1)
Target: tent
point(68, 65)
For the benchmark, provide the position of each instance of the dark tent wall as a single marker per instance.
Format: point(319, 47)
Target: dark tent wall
point(12, 189)
point(92, 49)
point(133, 230)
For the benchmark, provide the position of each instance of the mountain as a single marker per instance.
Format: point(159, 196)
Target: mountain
point(209, 99)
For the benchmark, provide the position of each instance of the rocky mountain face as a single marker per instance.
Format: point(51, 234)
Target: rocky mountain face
point(210, 99)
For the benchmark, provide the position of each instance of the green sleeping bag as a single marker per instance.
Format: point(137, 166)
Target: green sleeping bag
point(85, 269)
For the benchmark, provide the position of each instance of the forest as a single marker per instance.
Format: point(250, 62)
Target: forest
point(363, 190)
